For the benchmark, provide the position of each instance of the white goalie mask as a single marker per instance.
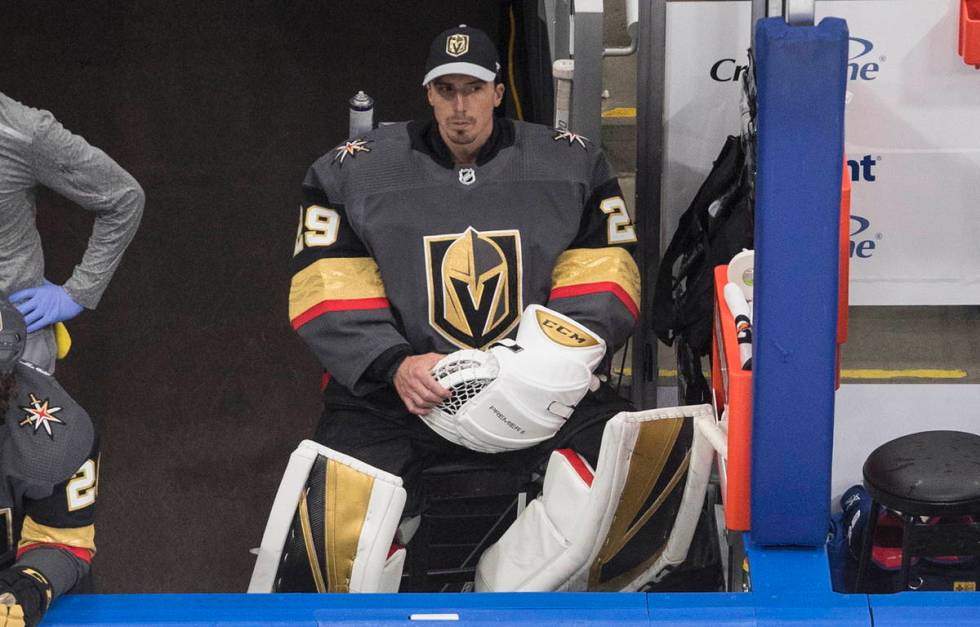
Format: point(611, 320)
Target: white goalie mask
point(519, 392)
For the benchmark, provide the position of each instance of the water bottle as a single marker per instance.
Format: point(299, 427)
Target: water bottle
point(361, 115)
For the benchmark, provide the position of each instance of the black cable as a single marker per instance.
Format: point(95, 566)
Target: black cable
point(622, 366)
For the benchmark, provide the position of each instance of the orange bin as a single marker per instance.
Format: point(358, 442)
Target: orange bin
point(733, 391)
point(969, 45)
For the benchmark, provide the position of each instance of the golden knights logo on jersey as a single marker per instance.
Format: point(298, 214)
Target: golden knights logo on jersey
point(474, 284)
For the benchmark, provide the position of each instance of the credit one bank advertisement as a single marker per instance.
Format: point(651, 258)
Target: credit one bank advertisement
point(912, 138)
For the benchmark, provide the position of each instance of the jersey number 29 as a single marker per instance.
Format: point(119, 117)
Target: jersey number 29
point(318, 226)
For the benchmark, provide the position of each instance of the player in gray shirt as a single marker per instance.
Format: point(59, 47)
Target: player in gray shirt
point(36, 150)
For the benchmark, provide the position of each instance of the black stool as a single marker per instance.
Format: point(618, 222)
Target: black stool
point(467, 506)
point(927, 474)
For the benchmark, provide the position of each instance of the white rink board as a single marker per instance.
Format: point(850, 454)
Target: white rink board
point(867, 416)
point(913, 137)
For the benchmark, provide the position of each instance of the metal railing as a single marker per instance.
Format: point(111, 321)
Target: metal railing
point(575, 32)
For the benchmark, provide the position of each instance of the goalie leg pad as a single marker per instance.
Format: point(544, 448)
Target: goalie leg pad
point(331, 527)
point(532, 545)
point(634, 521)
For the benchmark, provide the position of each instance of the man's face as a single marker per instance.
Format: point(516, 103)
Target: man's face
point(463, 107)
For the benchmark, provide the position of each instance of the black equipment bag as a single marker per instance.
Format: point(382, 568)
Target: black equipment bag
point(716, 226)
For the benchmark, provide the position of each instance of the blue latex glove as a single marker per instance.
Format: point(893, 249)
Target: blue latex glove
point(45, 305)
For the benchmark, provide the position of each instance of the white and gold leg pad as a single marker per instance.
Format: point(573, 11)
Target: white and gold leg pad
point(331, 528)
point(618, 528)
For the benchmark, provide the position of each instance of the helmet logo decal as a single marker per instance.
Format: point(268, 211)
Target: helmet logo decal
point(39, 415)
point(474, 282)
point(457, 45)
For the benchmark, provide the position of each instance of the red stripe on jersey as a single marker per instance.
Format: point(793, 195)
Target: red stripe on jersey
point(578, 464)
point(324, 380)
point(340, 305)
point(83, 554)
point(594, 288)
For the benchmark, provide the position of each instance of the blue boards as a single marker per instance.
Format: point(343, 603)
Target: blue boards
point(801, 80)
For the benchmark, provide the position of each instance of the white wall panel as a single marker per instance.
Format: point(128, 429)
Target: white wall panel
point(913, 138)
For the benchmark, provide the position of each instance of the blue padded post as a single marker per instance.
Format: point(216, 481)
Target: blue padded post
point(801, 80)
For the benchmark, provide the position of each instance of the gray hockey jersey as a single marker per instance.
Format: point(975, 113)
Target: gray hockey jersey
point(396, 245)
point(49, 466)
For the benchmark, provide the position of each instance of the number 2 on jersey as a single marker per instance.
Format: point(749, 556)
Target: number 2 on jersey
point(83, 486)
point(619, 226)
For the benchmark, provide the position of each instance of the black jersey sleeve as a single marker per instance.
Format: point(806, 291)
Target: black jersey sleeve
point(57, 532)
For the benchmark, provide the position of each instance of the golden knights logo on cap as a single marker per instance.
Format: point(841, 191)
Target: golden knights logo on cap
point(457, 44)
point(474, 284)
point(563, 332)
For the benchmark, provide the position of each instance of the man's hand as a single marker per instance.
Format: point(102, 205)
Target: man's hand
point(25, 595)
point(416, 386)
point(45, 305)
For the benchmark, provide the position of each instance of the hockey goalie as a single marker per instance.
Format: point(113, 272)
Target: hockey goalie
point(460, 278)
point(619, 492)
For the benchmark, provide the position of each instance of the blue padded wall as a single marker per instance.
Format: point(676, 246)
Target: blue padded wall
point(801, 80)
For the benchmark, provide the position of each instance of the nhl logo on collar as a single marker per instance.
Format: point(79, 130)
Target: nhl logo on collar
point(467, 176)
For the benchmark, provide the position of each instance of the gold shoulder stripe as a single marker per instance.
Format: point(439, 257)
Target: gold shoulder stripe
point(35, 533)
point(579, 266)
point(334, 279)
